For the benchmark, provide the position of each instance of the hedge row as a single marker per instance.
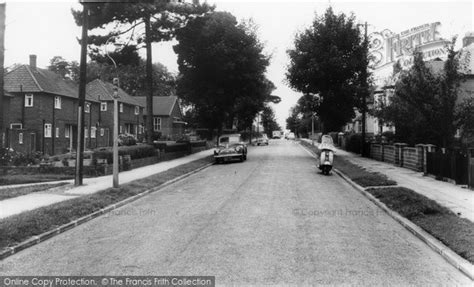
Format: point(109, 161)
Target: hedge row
point(135, 152)
point(142, 151)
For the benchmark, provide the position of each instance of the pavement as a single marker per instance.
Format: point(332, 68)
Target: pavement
point(270, 220)
point(16, 205)
point(456, 198)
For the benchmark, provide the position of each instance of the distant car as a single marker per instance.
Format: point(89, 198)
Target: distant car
point(276, 134)
point(230, 147)
point(291, 136)
point(262, 140)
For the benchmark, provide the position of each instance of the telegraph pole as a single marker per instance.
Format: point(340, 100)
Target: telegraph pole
point(2, 59)
point(115, 166)
point(82, 96)
point(365, 88)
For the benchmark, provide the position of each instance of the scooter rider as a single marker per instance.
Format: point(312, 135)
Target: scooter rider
point(326, 154)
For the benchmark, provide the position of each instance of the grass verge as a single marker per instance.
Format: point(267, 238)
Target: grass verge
point(32, 178)
point(11, 192)
point(354, 172)
point(18, 228)
point(455, 232)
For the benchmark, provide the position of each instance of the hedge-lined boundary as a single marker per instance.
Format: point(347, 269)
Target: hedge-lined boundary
point(20, 231)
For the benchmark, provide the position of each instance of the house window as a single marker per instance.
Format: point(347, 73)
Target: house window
point(47, 130)
point(137, 110)
point(57, 132)
point(57, 102)
point(16, 126)
point(93, 131)
point(121, 107)
point(28, 100)
point(103, 106)
point(86, 132)
point(156, 124)
point(140, 129)
point(120, 129)
point(87, 108)
point(67, 131)
point(102, 132)
point(20, 138)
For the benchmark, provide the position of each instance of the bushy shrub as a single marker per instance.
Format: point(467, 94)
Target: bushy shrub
point(198, 143)
point(354, 142)
point(135, 152)
point(10, 157)
point(388, 137)
point(176, 147)
point(126, 140)
point(6, 156)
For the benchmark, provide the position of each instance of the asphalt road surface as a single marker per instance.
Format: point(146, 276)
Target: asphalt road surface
point(270, 220)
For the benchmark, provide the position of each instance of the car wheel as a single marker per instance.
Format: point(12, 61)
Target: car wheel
point(244, 157)
point(241, 158)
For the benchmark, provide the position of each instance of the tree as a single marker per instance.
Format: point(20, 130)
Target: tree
point(464, 117)
point(269, 122)
point(131, 73)
point(302, 115)
point(424, 102)
point(160, 19)
point(222, 70)
point(67, 70)
point(329, 59)
point(133, 78)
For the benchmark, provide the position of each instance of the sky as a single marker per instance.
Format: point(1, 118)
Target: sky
point(47, 29)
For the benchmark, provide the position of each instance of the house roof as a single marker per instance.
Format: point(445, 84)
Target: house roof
point(104, 91)
point(30, 80)
point(162, 106)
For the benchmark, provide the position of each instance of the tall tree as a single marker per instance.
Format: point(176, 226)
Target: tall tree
point(222, 70)
point(269, 121)
point(329, 59)
point(423, 106)
point(159, 18)
point(130, 70)
point(67, 70)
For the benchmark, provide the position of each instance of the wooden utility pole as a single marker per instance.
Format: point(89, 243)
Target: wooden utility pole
point(2, 59)
point(365, 88)
point(149, 80)
point(82, 97)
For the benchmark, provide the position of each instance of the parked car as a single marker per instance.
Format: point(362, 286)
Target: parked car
point(291, 136)
point(262, 140)
point(276, 134)
point(230, 147)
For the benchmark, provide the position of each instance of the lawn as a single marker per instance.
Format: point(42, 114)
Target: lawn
point(18, 228)
point(11, 192)
point(455, 232)
point(31, 178)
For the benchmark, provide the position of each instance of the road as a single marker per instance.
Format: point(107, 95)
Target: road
point(270, 220)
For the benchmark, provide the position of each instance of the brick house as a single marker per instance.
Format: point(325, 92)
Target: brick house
point(5, 118)
point(167, 116)
point(43, 110)
point(130, 111)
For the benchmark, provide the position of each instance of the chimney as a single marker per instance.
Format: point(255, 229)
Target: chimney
point(33, 61)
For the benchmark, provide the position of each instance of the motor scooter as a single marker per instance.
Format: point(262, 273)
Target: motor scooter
point(326, 155)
